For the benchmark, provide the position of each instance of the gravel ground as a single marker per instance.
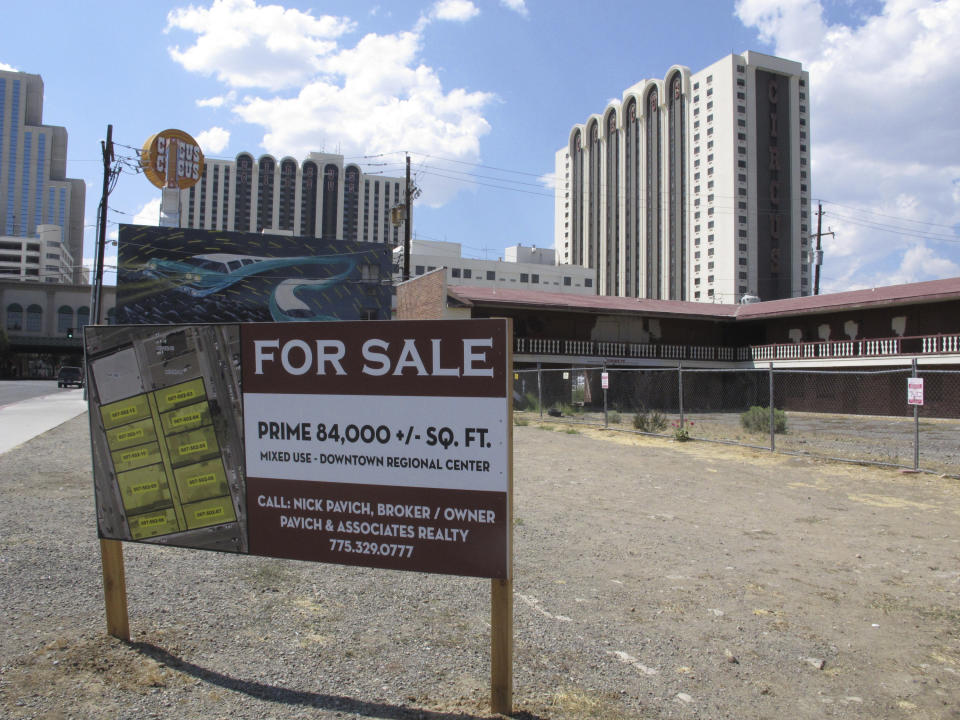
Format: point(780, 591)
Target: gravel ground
point(856, 438)
point(653, 580)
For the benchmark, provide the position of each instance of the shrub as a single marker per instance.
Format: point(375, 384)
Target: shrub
point(530, 402)
point(681, 430)
point(757, 419)
point(614, 417)
point(650, 421)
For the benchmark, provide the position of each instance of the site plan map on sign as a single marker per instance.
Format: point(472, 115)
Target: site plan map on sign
point(383, 444)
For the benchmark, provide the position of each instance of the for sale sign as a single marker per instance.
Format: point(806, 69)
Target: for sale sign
point(383, 444)
point(915, 391)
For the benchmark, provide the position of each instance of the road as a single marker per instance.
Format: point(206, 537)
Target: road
point(31, 407)
point(12, 391)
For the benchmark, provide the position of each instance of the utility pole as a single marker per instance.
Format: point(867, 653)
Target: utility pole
point(107, 150)
point(408, 205)
point(818, 253)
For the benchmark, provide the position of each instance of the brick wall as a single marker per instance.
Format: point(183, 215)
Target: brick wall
point(423, 297)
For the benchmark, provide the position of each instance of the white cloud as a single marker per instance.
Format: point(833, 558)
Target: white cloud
point(8, 68)
point(376, 96)
point(149, 214)
point(217, 101)
point(250, 45)
point(884, 98)
point(214, 140)
point(518, 6)
point(549, 180)
point(455, 10)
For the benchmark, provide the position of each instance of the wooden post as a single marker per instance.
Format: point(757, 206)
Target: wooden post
point(115, 588)
point(501, 646)
point(501, 590)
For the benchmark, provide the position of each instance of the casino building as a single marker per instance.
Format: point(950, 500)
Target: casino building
point(320, 197)
point(41, 209)
point(693, 187)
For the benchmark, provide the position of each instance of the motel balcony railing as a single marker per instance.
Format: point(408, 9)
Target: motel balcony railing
point(825, 349)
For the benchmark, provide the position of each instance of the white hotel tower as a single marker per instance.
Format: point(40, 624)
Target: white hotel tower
point(694, 187)
point(320, 197)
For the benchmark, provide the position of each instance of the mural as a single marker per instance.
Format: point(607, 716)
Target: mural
point(180, 275)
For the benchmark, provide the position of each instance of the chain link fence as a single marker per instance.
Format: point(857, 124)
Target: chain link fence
point(859, 416)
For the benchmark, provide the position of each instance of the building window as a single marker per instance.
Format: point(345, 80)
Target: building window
point(566, 280)
point(587, 282)
point(535, 279)
point(455, 272)
point(64, 318)
point(524, 277)
point(14, 317)
point(418, 270)
point(467, 273)
point(742, 261)
point(742, 233)
point(34, 318)
point(491, 275)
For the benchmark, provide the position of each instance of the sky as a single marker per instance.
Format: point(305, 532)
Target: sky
point(482, 93)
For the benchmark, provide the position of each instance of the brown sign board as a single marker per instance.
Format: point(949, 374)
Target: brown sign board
point(380, 444)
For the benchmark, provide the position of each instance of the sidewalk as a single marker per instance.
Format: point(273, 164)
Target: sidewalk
point(26, 419)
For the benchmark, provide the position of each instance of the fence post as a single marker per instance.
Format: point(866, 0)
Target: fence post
point(539, 390)
point(603, 372)
point(916, 427)
point(773, 445)
point(680, 388)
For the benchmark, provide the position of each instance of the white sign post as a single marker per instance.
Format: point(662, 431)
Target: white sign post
point(915, 398)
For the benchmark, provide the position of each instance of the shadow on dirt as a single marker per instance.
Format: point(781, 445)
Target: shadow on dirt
point(323, 701)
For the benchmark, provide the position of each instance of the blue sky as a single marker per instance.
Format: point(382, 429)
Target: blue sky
point(483, 92)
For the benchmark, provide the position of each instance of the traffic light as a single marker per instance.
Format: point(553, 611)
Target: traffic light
point(69, 333)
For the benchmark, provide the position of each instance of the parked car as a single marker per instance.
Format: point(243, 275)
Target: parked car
point(70, 376)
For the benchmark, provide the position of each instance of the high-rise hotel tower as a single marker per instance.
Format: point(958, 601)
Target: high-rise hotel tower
point(694, 187)
point(320, 197)
point(34, 188)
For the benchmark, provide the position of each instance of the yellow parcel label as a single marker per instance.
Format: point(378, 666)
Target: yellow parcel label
point(215, 511)
point(125, 411)
point(183, 393)
point(202, 480)
point(144, 489)
point(194, 447)
point(152, 524)
point(188, 417)
point(132, 458)
point(135, 433)
point(190, 447)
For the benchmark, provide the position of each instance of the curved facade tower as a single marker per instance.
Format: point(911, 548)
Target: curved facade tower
point(320, 197)
point(693, 187)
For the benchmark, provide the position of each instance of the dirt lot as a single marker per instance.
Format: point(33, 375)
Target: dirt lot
point(654, 579)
